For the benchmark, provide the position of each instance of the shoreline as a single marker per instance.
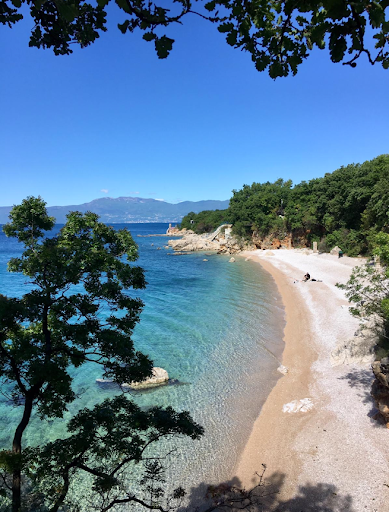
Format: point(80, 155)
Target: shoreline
point(334, 455)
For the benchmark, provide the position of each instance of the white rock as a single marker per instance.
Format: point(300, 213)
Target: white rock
point(231, 260)
point(283, 369)
point(303, 405)
point(159, 376)
point(104, 381)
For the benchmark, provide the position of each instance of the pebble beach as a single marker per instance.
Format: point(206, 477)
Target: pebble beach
point(330, 455)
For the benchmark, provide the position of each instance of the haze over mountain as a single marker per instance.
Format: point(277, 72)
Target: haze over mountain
point(130, 209)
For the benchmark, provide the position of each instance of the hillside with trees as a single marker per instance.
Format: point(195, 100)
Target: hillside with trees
point(346, 208)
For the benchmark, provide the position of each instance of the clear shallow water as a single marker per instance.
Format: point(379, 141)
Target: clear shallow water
point(215, 326)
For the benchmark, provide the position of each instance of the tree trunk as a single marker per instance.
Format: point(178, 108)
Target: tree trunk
point(17, 449)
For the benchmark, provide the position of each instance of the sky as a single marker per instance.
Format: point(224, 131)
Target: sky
point(114, 120)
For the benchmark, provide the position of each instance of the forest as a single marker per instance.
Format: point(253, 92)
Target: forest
point(347, 207)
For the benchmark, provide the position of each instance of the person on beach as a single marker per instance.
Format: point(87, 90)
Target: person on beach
point(307, 277)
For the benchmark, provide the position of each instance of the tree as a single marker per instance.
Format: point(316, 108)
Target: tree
point(76, 273)
point(258, 207)
point(368, 290)
point(205, 221)
point(279, 35)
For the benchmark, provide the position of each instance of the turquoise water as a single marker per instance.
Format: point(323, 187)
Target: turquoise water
point(215, 326)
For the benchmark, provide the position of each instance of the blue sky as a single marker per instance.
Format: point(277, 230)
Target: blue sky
point(114, 120)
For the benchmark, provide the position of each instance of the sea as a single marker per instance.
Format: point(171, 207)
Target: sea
point(215, 326)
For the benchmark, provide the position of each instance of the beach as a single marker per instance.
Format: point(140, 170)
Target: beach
point(334, 456)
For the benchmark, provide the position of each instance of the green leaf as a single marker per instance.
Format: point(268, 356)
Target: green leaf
point(294, 62)
point(276, 69)
point(123, 26)
point(149, 36)
point(376, 15)
point(261, 64)
point(102, 3)
point(123, 5)
point(210, 6)
point(317, 35)
point(163, 46)
point(232, 37)
point(144, 25)
point(17, 3)
point(385, 64)
point(225, 27)
point(338, 47)
point(68, 11)
point(301, 20)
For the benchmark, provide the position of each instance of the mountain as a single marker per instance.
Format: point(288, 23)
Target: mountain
point(129, 209)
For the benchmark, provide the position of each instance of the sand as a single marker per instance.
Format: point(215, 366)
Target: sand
point(334, 457)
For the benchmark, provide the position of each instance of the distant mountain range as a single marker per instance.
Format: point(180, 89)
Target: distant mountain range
point(129, 209)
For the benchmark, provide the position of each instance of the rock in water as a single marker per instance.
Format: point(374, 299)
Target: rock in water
point(159, 377)
point(231, 260)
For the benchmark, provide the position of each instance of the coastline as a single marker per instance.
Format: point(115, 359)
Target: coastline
point(335, 455)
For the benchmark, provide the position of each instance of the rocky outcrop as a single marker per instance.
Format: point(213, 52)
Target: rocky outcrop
point(360, 349)
point(272, 242)
point(335, 251)
point(380, 388)
point(159, 377)
point(216, 241)
point(176, 231)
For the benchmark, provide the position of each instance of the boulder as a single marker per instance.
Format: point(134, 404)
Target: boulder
point(159, 377)
point(336, 250)
point(231, 260)
point(283, 369)
point(380, 388)
point(361, 348)
point(302, 405)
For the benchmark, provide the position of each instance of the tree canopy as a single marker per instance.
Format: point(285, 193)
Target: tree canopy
point(79, 310)
point(348, 207)
point(278, 35)
point(205, 221)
